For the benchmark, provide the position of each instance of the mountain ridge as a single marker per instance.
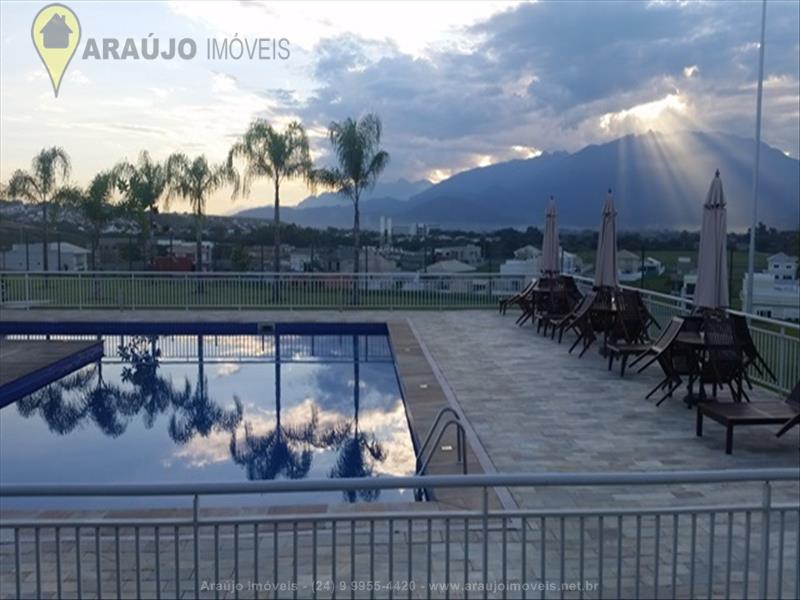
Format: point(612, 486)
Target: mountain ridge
point(658, 180)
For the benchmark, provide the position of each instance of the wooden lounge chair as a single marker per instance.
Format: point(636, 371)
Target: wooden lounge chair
point(660, 345)
point(516, 298)
point(733, 414)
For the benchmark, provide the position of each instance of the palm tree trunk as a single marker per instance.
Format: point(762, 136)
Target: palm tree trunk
point(356, 236)
point(45, 262)
point(198, 232)
point(356, 247)
point(277, 224)
point(150, 245)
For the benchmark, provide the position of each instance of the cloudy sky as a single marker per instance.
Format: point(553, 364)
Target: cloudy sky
point(457, 85)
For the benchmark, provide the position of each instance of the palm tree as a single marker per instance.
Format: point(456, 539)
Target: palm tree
point(195, 411)
point(361, 161)
point(273, 154)
point(67, 403)
point(151, 393)
point(358, 451)
point(194, 181)
point(285, 450)
point(143, 185)
point(40, 184)
point(94, 205)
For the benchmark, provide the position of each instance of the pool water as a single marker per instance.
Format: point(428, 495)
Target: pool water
point(210, 408)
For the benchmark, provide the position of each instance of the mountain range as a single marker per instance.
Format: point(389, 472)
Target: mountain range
point(659, 181)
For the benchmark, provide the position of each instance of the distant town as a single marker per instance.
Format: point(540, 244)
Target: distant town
point(658, 260)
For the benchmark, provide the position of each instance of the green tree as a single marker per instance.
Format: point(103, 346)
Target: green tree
point(194, 181)
point(40, 185)
point(143, 185)
point(277, 155)
point(94, 205)
point(356, 145)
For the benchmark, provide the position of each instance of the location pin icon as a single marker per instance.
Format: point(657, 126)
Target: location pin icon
point(56, 33)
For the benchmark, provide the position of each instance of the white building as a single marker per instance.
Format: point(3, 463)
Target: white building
point(528, 268)
point(773, 298)
point(689, 283)
point(468, 253)
point(527, 253)
point(629, 266)
point(28, 257)
point(782, 267)
point(300, 260)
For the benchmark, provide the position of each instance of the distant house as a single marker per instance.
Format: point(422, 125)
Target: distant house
point(300, 260)
point(28, 257)
point(468, 253)
point(689, 283)
point(527, 252)
point(526, 269)
point(56, 32)
point(782, 267)
point(776, 299)
point(340, 260)
point(684, 265)
point(628, 263)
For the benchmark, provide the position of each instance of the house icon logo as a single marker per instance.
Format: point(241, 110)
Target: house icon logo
point(56, 33)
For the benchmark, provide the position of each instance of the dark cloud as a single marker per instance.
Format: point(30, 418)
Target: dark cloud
point(543, 74)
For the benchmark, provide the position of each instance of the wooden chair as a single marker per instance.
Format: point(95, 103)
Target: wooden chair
point(555, 306)
point(753, 357)
point(732, 414)
point(724, 364)
point(677, 361)
point(628, 335)
point(565, 322)
point(582, 324)
point(660, 345)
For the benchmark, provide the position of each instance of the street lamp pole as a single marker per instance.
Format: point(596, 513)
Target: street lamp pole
point(751, 256)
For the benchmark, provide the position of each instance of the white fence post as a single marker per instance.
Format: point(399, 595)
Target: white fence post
point(766, 506)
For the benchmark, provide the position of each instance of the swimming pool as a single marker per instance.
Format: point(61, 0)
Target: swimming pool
point(171, 403)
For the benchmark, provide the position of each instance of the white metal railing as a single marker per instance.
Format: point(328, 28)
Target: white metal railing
point(679, 550)
point(777, 341)
point(148, 289)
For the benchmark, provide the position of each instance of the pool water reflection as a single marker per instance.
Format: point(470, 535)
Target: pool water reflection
point(217, 408)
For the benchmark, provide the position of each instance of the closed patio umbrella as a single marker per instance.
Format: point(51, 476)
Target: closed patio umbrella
point(711, 290)
point(605, 267)
point(550, 264)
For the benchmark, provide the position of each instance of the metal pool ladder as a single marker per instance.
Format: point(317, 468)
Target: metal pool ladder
point(461, 448)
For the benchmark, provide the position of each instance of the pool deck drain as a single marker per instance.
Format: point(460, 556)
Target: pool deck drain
point(28, 365)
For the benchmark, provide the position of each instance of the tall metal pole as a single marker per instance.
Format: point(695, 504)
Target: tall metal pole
point(751, 256)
